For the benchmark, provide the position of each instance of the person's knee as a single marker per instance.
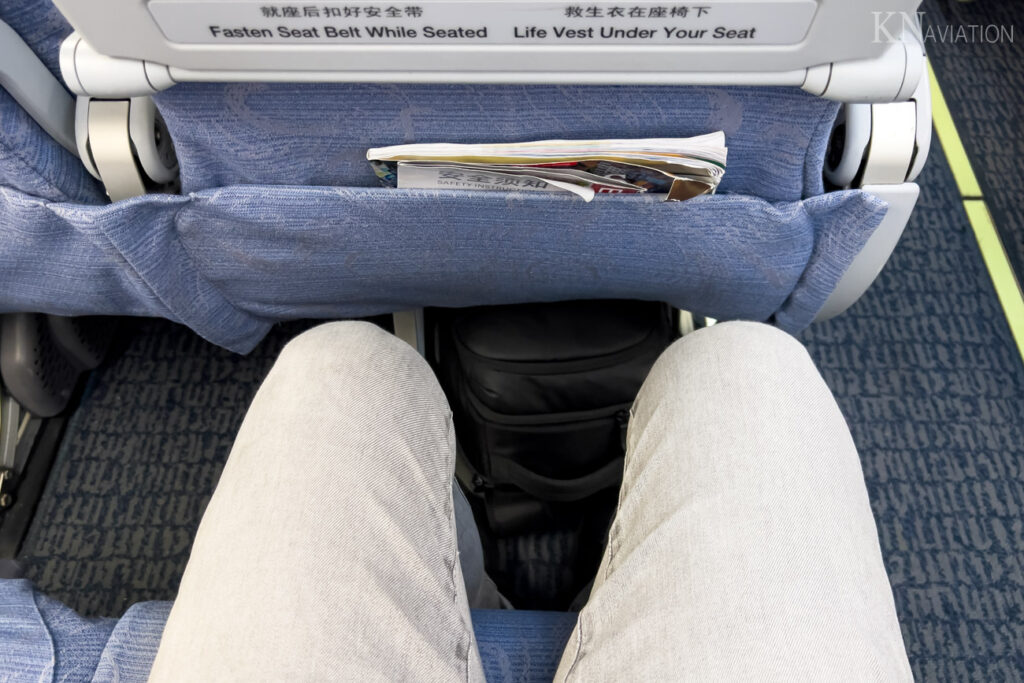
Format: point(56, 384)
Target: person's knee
point(722, 362)
point(348, 348)
point(353, 386)
point(348, 342)
point(734, 347)
point(738, 390)
point(354, 357)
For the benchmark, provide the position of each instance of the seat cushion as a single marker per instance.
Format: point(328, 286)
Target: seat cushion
point(42, 639)
point(521, 645)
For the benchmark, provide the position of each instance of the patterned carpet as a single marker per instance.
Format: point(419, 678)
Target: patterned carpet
point(983, 80)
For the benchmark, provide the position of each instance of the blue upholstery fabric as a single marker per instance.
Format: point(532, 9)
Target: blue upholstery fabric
point(521, 645)
point(30, 160)
point(43, 640)
point(77, 642)
point(40, 24)
point(229, 262)
point(129, 653)
point(318, 134)
point(26, 648)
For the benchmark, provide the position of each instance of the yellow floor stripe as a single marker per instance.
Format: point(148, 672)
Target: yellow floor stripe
point(951, 143)
point(1007, 287)
point(998, 264)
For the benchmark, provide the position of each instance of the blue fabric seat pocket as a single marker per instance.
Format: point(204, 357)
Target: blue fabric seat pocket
point(229, 262)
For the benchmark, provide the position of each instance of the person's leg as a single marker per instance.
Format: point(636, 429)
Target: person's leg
point(328, 551)
point(743, 547)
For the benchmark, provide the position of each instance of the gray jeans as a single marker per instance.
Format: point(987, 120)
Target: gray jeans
point(743, 546)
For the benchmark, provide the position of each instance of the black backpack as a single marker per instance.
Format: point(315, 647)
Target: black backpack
point(541, 396)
